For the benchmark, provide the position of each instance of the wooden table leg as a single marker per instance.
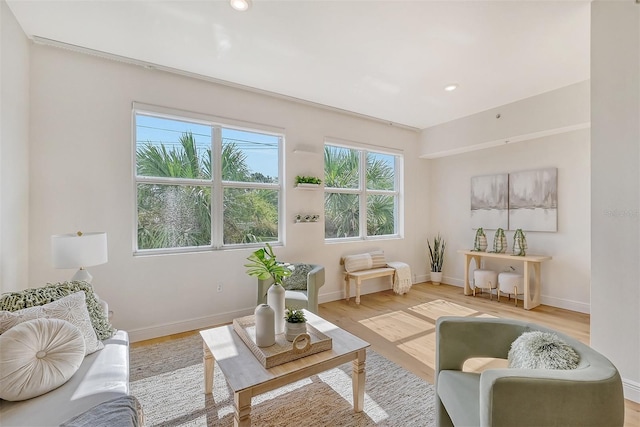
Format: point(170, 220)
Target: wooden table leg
point(242, 413)
point(467, 288)
point(467, 263)
point(347, 287)
point(358, 378)
point(531, 299)
point(208, 360)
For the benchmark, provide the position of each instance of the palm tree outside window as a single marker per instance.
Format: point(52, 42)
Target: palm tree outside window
point(362, 193)
point(204, 185)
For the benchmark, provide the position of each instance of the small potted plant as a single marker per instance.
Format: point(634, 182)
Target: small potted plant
point(295, 323)
point(436, 255)
point(307, 181)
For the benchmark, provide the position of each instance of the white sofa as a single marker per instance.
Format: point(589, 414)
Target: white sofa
point(102, 376)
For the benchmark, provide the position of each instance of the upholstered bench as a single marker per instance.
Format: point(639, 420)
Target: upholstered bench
point(364, 266)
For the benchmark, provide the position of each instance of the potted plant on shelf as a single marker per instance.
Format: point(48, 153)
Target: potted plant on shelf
point(436, 255)
point(307, 181)
point(263, 265)
point(295, 323)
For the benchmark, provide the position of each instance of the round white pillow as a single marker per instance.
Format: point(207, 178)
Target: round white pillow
point(37, 356)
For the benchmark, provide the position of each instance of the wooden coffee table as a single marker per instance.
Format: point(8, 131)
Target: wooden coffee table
point(247, 377)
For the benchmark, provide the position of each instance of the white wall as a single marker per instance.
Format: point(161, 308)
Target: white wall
point(557, 111)
point(615, 211)
point(565, 279)
point(81, 179)
point(14, 152)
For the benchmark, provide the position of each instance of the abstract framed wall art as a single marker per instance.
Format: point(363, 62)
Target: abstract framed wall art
point(489, 201)
point(533, 200)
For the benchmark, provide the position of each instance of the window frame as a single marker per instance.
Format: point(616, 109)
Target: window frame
point(216, 184)
point(363, 192)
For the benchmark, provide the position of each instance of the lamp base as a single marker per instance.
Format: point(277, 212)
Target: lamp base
point(82, 275)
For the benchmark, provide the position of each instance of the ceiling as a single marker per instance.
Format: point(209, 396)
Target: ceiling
point(385, 59)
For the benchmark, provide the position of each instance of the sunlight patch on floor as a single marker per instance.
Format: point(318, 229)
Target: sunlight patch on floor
point(423, 349)
point(439, 308)
point(397, 325)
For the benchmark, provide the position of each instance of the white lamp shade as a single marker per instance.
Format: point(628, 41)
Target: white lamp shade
point(74, 251)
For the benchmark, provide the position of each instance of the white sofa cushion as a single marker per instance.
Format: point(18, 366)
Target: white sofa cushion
point(103, 375)
point(38, 356)
point(71, 308)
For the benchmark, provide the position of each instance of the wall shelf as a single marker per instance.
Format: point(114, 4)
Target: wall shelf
point(302, 186)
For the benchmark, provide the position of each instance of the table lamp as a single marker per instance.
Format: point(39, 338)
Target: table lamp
point(79, 250)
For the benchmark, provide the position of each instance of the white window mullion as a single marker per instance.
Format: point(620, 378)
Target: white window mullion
point(217, 196)
point(281, 201)
point(363, 193)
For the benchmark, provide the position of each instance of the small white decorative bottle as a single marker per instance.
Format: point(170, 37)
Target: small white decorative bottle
point(265, 326)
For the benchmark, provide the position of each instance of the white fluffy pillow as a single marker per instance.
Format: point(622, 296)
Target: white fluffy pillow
point(542, 350)
point(71, 308)
point(37, 356)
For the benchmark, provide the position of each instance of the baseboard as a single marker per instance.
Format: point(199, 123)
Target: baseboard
point(631, 390)
point(142, 334)
point(566, 304)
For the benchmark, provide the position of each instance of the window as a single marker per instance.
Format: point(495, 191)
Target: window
point(362, 196)
point(204, 185)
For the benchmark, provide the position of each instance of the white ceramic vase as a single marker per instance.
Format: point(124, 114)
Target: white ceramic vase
point(265, 326)
point(292, 330)
point(275, 299)
point(436, 277)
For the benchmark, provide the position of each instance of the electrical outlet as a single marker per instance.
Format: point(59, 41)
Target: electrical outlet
point(219, 287)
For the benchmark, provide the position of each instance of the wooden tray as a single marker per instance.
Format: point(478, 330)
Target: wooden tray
point(282, 351)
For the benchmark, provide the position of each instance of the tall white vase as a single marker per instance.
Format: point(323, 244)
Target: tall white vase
point(275, 299)
point(265, 326)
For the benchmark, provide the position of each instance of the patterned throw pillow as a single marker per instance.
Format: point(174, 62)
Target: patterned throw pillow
point(13, 301)
point(542, 350)
point(377, 259)
point(71, 308)
point(357, 262)
point(298, 278)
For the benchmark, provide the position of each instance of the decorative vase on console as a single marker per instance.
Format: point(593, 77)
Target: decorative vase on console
point(263, 265)
point(519, 243)
point(265, 326)
point(499, 242)
point(480, 242)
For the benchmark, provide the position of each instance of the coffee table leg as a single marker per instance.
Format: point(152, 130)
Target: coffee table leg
point(358, 378)
point(207, 358)
point(242, 415)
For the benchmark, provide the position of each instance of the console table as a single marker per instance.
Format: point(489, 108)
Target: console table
point(531, 299)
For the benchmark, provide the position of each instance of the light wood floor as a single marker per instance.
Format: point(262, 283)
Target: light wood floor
point(387, 321)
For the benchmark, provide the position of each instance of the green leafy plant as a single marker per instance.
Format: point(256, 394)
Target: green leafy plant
point(294, 315)
point(307, 180)
point(263, 265)
point(436, 254)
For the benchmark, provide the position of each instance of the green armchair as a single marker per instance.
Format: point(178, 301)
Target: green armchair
point(298, 298)
point(590, 395)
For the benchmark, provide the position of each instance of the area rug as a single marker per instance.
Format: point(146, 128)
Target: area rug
point(167, 379)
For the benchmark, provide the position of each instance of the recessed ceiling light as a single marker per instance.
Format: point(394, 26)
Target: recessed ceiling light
point(451, 87)
point(240, 5)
